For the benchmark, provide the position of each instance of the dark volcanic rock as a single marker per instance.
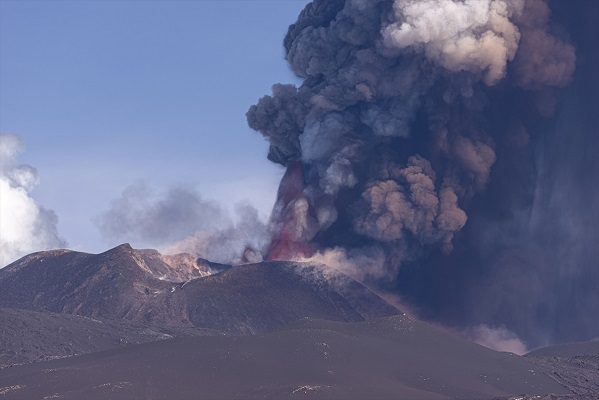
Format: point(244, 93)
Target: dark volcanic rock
point(116, 284)
point(144, 287)
point(575, 365)
point(119, 309)
point(178, 267)
point(28, 336)
point(388, 358)
point(261, 297)
point(568, 350)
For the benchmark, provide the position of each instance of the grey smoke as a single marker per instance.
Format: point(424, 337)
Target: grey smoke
point(500, 339)
point(140, 214)
point(543, 59)
point(237, 242)
point(181, 220)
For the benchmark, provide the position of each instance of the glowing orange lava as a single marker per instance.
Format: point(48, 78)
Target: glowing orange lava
point(285, 244)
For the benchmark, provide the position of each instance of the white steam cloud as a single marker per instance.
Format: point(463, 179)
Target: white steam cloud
point(474, 35)
point(25, 226)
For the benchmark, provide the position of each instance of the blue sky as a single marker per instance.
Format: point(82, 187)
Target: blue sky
point(108, 93)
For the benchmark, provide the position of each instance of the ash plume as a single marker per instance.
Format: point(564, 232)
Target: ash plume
point(25, 226)
point(417, 141)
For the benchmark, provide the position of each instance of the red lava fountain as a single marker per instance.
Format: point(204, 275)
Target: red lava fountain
point(287, 242)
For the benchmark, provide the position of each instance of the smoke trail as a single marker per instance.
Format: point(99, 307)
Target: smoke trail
point(239, 242)
point(499, 339)
point(25, 226)
point(416, 131)
point(181, 220)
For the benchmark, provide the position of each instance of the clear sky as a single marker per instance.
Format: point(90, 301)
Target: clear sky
point(107, 93)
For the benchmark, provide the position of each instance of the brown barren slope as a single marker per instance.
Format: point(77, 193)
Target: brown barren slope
point(389, 358)
point(130, 285)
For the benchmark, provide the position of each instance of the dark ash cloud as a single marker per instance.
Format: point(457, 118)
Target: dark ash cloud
point(441, 138)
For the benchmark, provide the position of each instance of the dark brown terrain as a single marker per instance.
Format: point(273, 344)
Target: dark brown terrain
point(122, 285)
point(134, 324)
point(28, 336)
point(386, 358)
point(576, 365)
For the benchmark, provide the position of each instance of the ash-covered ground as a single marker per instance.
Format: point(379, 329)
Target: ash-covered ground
point(267, 330)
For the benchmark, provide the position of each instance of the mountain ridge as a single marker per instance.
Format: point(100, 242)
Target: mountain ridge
point(133, 285)
point(284, 329)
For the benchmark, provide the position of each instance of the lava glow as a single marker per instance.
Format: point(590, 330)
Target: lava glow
point(287, 243)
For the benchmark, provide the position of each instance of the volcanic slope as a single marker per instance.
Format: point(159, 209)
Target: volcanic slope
point(575, 365)
point(29, 336)
point(123, 284)
point(117, 284)
point(383, 358)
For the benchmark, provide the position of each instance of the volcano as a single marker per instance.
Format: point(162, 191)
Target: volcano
point(143, 286)
point(131, 323)
point(440, 152)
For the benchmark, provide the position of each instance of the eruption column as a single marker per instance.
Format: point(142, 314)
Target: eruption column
point(412, 139)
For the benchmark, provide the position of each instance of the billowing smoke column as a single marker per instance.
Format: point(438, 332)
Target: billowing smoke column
point(417, 122)
point(389, 132)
